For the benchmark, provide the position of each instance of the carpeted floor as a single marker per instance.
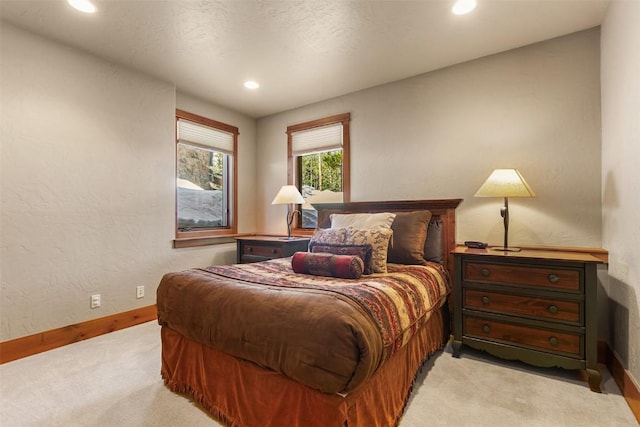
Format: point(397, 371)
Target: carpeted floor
point(114, 380)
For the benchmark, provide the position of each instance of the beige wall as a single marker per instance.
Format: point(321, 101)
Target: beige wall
point(87, 185)
point(440, 135)
point(620, 176)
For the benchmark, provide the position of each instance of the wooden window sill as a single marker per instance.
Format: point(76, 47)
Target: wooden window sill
point(190, 242)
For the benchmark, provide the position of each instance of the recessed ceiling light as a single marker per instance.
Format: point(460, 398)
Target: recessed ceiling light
point(250, 84)
point(463, 7)
point(83, 5)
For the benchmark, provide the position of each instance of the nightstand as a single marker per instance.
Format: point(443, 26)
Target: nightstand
point(537, 306)
point(262, 248)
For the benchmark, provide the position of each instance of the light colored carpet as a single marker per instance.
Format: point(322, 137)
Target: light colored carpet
point(114, 380)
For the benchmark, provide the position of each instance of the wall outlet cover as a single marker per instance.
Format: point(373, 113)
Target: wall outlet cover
point(95, 301)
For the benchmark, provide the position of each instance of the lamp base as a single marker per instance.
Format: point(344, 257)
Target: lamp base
point(497, 248)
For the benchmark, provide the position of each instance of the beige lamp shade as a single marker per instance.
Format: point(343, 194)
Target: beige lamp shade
point(505, 183)
point(288, 194)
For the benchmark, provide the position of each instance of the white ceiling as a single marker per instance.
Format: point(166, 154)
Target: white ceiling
point(299, 51)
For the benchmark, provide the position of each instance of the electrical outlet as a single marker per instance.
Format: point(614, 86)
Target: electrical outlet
point(140, 292)
point(95, 301)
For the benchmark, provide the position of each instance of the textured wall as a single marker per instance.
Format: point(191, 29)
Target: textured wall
point(87, 185)
point(440, 135)
point(620, 177)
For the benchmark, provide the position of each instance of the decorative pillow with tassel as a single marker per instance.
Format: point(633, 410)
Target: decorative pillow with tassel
point(326, 264)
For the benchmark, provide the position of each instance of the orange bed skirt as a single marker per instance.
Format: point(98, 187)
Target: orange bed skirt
point(242, 394)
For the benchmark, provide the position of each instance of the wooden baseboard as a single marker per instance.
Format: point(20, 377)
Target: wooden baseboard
point(626, 385)
point(48, 340)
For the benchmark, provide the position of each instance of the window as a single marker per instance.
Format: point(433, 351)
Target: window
point(318, 164)
point(206, 170)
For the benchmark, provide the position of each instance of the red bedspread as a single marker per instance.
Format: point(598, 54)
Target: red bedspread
point(329, 334)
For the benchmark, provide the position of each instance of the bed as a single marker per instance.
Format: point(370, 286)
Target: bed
point(265, 345)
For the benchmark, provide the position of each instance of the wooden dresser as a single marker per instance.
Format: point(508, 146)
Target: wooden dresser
point(538, 306)
point(262, 248)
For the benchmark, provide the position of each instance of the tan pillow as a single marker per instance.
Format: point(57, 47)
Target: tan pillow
point(363, 220)
point(409, 236)
point(379, 241)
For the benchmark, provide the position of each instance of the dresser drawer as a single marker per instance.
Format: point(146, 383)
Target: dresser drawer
point(262, 250)
point(543, 308)
point(528, 336)
point(544, 277)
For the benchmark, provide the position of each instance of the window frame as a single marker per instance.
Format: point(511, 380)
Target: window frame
point(209, 235)
point(294, 162)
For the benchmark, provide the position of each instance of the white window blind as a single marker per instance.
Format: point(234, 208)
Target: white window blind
point(324, 138)
point(194, 133)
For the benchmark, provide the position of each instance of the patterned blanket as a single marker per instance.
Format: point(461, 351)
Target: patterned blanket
point(328, 334)
point(399, 301)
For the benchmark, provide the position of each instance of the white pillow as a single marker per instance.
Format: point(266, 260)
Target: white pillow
point(363, 221)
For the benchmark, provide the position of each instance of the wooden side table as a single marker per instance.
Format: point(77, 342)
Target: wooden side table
point(538, 306)
point(262, 248)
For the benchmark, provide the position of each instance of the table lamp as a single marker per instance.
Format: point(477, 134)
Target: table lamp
point(288, 195)
point(505, 183)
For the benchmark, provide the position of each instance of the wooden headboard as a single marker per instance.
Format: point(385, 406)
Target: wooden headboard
point(443, 208)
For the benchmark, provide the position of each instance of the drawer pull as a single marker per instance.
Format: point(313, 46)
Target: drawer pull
point(485, 300)
point(485, 272)
point(273, 251)
point(553, 341)
point(249, 249)
point(553, 309)
point(486, 329)
point(553, 278)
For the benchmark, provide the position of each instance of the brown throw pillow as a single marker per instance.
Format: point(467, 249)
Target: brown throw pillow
point(433, 245)
point(409, 236)
point(330, 265)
